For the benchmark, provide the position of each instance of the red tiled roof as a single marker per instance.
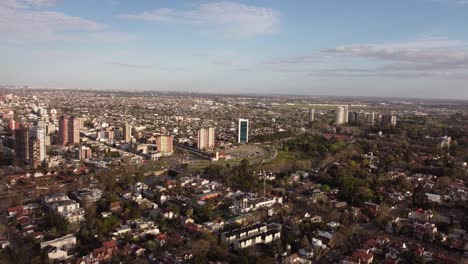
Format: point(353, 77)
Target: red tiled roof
point(109, 244)
point(15, 209)
point(362, 255)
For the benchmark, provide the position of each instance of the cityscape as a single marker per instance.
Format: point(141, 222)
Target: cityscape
point(250, 132)
point(98, 176)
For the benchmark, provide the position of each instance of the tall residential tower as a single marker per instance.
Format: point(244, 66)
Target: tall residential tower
point(206, 138)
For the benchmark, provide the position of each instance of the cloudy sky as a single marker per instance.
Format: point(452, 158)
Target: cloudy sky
point(397, 48)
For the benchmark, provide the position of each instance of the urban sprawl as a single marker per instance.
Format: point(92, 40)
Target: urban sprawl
point(158, 177)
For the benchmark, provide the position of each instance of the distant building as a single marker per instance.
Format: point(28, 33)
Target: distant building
point(12, 125)
point(69, 130)
point(22, 143)
point(74, 130)
point(206, 138)
point(446, 141)
point(164, 144)
point(117, 133)
point(311, 115)
point(243, 131)
point(340, 115)
point(371, 118)
point(251, 235)
point(389, 120)
point(39, 133)
point(53, 114)
point(127, 133)
point(50, 128)
point(352, 116)
point(63, 130)
point(67, 208)
point(84, 153)
point(345, 114)
point(34, 152)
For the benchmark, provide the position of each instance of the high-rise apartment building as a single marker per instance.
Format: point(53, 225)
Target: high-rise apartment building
point(311, 115)
point(117, 133)
point(352, 116)
point(164, 144)
point(389, 120)
point(73, 130)
point(63, 130)
point(84, 153)
point(22, 143)
point(243, 131)
point(371, 118)
point(69, 130)
point(206, 138)
point(345, 114)
point(50, 128)
point(127, 133)
point(38, 132)
point(340, 115)
point(35, 152)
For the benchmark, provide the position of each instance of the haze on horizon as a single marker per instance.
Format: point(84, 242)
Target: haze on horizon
point(397, 48)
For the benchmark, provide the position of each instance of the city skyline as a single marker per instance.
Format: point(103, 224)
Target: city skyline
point(416, 49)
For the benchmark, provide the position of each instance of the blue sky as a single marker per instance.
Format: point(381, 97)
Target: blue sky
point(397, 48)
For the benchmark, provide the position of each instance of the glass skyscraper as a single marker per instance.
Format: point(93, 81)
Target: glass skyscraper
point(243, 131)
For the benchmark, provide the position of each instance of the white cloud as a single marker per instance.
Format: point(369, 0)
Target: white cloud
point(19, 21)
point(427, 58)
point(129, 65)
point(40, 2)
point(456, 2)
point(229, 17)
point(448, 53)
point(437, 58)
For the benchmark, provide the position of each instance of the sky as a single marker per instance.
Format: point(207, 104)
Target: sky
point(393, 48)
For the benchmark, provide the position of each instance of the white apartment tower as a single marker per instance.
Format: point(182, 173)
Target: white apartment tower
point(206, 138)
point(39, 133)
point(340, 112)
point(311, 115)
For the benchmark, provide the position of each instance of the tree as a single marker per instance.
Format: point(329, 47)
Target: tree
point(419, 196)
point(189, 212)
point(57, 223)
point(443, 182)
point(383, 215)
point(305, 242)
point(206, 211)
point(200, 248)
point(16, 200)
point(325, 188)
point(411, 257)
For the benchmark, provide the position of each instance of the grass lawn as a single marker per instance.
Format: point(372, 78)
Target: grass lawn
point(287, 155)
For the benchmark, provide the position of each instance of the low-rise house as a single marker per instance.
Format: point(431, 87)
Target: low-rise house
point(125, 229)
point(423, 231)
point(251, 235)
point(249, 203)
point(420, 215)
point(295, 259)
point(116, 207)
point(214, 226)
point(57, 249)
point(433, 198)
point(306, 253)
point(107, 251)
point(350, 260)
point(86, 197)
point(364, 257)
point(63, 205)
point(56, 254)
